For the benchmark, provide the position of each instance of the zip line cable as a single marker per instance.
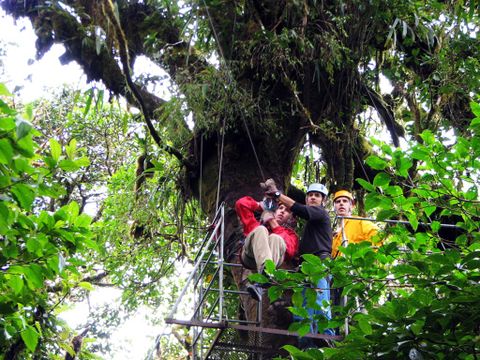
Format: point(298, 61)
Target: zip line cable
point(450, 226)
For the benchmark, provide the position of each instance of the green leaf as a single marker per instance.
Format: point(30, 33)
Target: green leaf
point(83, 161)
point(427, 137)
point(5, 219)
point(34, 247)
point(404, 269)
point(420, 154)
point(21, 165)
point(5, 109)
point(25, 221)
point(429, 209)
point(26, 145)
point(309, 268)
point(475, 122)
point(364, 325)
point(4, 91)
point(301, 355)
point(74, 209)
point(88, 103)
point(24, 195)
point(83, 221)
point(386, 149)
point(6, 151)
point(269, 266)
point(34, 276)
point(297, 299)
point(366, 185)
point(381, 179)
point(54, 264)
point(86, 285)
point(71, 149)
point(376, 163)
point(257, 278)
point(372, 200)
point(394, 191)
point(68, 165)
point(5, 181)
point(16, 283)
point(7, 124)
point(274, 293)
point(30, 337)
point(403, 165)
point(55, 149)
point(312, 259)
point(69, 349)
point(23, 128)
point(412, 218)
point(475, 108)
point(302, 328)
point(435, 226)
point(386, 214)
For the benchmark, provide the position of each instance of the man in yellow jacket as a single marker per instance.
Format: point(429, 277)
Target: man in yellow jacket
point(353, 230)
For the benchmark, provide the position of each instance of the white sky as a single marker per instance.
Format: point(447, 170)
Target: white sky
point(39, 76)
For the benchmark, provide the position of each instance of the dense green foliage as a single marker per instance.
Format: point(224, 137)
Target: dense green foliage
point(417, 295)
point(43, 250)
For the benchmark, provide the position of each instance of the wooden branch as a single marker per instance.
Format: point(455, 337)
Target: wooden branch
point(76, 344)
point(124, 57)
point(375, 100)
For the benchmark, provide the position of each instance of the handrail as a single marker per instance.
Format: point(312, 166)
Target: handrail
point(403, 222)
point(195, 267)
point(215, 218)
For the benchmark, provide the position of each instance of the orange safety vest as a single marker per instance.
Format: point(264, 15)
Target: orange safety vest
point(355, 231)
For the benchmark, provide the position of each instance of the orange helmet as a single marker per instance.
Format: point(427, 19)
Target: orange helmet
point(343, 193)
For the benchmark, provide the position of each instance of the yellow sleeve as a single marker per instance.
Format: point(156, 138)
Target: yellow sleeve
point(369, 230)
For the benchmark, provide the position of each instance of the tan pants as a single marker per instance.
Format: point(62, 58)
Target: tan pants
point(260, 246)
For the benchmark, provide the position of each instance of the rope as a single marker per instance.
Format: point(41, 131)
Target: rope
point(200, 187)
point(231, 81)
point(220, 165)
point(253, 148)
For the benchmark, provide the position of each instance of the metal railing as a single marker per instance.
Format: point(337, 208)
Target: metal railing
point(206, 284)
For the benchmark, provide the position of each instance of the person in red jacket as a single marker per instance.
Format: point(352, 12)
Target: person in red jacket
point(271, 238)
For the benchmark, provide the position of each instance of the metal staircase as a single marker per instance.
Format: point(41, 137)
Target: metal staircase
point(217, 331)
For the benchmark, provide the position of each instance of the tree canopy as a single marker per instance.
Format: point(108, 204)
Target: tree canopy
point(282, 89)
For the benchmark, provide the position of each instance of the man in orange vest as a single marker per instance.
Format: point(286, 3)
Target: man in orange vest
point(349, 231)
point(353, 230)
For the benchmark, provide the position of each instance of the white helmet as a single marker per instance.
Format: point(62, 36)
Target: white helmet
point(318, 188)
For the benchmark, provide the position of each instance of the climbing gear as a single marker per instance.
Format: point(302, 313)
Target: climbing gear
point(318, 188)
point(343, 193)
point(269, 204)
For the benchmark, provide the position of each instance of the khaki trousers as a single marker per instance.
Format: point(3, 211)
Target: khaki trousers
point(260, 246)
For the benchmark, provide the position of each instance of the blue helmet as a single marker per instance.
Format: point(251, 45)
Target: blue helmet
point(318, 188)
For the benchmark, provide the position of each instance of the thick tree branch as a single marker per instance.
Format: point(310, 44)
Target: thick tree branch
point(375, 100)
point(124, 57)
